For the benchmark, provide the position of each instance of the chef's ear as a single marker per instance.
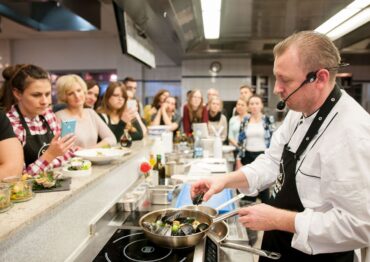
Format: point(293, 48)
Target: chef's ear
point(322, 78)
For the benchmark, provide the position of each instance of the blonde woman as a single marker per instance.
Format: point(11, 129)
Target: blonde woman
point(216, 120)
point(71, 90)
point(235, 121)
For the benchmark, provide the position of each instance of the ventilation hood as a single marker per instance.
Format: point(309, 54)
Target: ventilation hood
point(54, 15)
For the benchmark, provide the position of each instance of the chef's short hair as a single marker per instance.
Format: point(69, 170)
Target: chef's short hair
point(316, 51)
point(64, 83)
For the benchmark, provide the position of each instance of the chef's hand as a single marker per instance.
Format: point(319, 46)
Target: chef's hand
point(207, 186)
point(59, 146)
point(264, 217)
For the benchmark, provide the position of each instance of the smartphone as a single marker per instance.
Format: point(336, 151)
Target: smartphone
point(68, 127)
point(132, 104)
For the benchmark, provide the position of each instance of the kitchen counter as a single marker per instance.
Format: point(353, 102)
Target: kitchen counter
point(109, 223)
point(55, 226)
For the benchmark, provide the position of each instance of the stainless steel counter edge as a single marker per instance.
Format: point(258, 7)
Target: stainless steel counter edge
point(53, 225)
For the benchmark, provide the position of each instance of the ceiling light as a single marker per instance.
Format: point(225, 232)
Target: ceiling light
point(351, 24)
point(347, 17)
point(211, 13)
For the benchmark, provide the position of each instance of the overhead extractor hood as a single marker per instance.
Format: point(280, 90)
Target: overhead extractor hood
point(54, 15)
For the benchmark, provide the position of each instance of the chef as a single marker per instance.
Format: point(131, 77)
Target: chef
point(318, 162)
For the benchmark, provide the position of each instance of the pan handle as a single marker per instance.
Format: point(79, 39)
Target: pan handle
point(226, 216)
point(236, 198)
point(256, 251)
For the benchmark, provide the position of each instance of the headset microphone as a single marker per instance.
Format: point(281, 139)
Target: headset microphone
point(309, 79)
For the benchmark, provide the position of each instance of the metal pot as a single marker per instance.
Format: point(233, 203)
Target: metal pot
point(213, 212)
point(218, 233)
point(173, 168)
point(181, 241)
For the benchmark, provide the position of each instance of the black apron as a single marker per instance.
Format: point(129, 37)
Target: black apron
point(35, 145)
point(117, 129)
point(285, 195)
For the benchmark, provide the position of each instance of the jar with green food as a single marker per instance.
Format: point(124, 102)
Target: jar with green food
point(5, 203)
point(21, 190)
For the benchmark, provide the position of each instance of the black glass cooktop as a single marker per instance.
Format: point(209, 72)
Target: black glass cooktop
point(131, 245)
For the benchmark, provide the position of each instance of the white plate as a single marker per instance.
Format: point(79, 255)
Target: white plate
point(100, 155)
point(228, 149)
point(75, 173)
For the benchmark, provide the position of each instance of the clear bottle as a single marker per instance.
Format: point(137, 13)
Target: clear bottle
point(217, 147)
point(198, 149)
point(159, 167)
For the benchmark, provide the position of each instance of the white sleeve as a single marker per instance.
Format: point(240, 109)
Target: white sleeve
point(345, 186)
point(263, 171)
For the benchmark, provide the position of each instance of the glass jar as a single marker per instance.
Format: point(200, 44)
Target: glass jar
point(21, 190)
point(5, 203)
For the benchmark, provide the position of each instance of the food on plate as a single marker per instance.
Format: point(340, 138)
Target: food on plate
point(45, 180)
point(173, 224)
point(99, 153)
point(78, 163)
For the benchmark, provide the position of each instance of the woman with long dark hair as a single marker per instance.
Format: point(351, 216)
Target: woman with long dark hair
point(116, 115)
point(152, 109)
point(194, 111)
point(26, 98)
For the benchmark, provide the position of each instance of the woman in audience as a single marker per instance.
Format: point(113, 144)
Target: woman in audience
point(245, 92)
point(194, 111)
point(254, 136)
point(234, 123)
point(152, 109)
point(216, 120)
point(167, 115)
point(26, 99)
point(71, 89)
point(116, 115)
point(11, 152)
point(92, 95)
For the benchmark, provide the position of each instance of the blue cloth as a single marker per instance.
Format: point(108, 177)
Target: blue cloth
point(184, 199)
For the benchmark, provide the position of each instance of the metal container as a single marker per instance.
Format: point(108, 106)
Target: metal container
point(161, 195)
point(129, 202)
point(174, 168)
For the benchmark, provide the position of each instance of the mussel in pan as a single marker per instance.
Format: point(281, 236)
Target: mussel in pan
point(173, 224)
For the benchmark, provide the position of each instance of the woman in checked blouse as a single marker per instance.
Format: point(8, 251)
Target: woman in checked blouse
point(26, 99)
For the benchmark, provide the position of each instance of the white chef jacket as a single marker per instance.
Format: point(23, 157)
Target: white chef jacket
point(333, 178)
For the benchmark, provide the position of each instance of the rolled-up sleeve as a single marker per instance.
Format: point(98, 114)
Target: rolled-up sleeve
point(345, 185)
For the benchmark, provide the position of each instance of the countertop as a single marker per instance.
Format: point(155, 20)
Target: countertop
point(60, 220)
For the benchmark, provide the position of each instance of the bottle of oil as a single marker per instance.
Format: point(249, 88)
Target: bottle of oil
point(159, 167)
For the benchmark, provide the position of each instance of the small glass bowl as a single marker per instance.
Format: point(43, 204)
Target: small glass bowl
point(21, 190)
point(5, 203)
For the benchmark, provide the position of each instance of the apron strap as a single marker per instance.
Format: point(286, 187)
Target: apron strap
point(324, 111)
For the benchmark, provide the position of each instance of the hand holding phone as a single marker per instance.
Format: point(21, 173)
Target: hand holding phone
point(68, 127)
point(132, 104)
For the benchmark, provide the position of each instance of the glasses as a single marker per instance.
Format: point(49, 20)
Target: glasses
point(197, 97)
point(117, 96)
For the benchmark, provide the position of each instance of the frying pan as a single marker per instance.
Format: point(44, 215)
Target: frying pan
point(218, 233)
point(213, 212)
point(181, 241)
